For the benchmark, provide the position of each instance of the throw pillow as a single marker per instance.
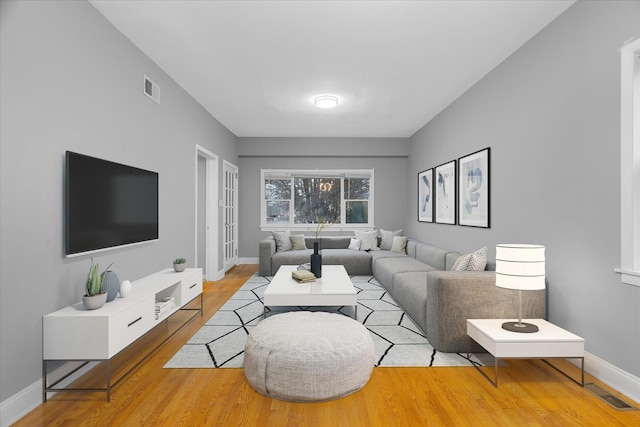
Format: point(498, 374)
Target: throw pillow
point(399, 244)
point(475, 261)
point(298, 243)
point(354, 244)
point(368, 240)
point(283, 240)
point(387, 238)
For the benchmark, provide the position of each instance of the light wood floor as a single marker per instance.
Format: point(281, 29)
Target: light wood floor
point(530, 393)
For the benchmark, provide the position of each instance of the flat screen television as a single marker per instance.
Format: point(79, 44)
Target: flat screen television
point(107, 204)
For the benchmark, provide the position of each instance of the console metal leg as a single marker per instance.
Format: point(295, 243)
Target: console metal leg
point(109, 380)
point(44, 381)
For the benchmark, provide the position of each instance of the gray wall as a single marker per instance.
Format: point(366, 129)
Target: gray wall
point(386, 155)
point(551, 115)
point(71, 81)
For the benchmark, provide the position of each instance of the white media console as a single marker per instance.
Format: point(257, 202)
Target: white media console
point(77, 334)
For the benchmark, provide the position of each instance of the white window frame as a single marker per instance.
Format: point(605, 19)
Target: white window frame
point(313, 173)
point(630, 163)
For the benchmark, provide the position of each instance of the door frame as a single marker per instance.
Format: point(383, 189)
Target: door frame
point(211, 212)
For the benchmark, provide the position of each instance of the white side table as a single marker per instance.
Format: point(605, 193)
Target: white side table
point(550, 341)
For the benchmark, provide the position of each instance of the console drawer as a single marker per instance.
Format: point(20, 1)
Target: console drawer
point(130, 324)
point(191, 287)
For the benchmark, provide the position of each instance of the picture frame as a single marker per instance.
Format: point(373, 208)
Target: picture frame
point(445, 193)
point(474, 189)
point(425, 196)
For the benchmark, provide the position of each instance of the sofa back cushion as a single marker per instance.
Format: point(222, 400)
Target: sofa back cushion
point(439, 258)
point(329, 242)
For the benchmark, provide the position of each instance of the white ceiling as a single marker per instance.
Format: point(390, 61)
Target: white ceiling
point(257, 65)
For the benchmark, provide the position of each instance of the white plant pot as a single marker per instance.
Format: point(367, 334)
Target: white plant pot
point(94, 302)
point(179, 267)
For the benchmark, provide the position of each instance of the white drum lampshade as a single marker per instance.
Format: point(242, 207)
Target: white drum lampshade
point(520, 267)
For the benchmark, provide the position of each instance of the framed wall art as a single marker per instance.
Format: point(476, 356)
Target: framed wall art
point(425, 196)
point(445, 190)
point(473, 189)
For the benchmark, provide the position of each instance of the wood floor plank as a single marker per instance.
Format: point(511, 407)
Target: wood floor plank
point(530, 393)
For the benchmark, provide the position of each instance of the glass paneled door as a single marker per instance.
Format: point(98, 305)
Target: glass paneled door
point(230, 172)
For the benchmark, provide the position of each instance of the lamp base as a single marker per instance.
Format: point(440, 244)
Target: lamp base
point(526, 328)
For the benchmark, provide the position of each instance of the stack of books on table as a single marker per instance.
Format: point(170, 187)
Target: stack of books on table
point(164, 306)
point(303, 276)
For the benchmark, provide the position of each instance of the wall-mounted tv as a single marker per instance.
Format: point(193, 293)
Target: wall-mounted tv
point(107, 204)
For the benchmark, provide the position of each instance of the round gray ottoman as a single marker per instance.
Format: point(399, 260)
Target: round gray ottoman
point(307, 357)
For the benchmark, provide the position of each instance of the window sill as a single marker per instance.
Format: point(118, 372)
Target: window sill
point(629, 277)
point(311, 228)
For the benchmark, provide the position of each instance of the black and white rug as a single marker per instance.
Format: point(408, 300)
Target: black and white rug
point(397, 340)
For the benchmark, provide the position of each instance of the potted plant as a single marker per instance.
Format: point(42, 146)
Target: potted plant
point(95, 296)
point(179, 264)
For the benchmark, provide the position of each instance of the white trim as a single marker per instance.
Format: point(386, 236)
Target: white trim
point(629, 277)
point(248, 261)
point(29, 398)
point(614, 377)
point(629, 164)
point(211, 201)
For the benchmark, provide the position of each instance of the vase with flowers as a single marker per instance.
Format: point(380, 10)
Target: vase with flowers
point(316, 257)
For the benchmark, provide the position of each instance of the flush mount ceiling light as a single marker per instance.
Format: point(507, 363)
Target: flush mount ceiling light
point(326, 101)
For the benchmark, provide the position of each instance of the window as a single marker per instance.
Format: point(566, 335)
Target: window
point(300, 198)
point(630, 163)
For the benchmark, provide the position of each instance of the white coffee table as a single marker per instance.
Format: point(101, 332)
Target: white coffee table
point(334, 288)
point(550, 341)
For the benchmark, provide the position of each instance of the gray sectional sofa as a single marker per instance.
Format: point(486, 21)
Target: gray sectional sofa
point(437, 299)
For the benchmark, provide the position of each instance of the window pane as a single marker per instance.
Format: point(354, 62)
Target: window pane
point(357, 212)
point(278, 212)
point(277, 189)
point(356, 188)
point(316, 200)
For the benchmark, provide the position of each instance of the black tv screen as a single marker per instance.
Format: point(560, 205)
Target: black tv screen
point(108, 204)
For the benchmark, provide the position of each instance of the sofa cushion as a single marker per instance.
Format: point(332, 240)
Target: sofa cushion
point(431, 255)
point(475, 261)
point(368, 239)
point(386, 268)
point(283, 240)
point(386, 238)
point(377, 255)
point(298, 242)
point(290, 258)
point(335, 242)
point(354, 245)
point(355, 262)
point(399, 244)
point(410, 291)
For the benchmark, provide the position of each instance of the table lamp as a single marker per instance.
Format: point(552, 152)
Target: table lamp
point(520, 267)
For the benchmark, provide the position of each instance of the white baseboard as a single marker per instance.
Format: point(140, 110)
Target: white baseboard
point(248, 261)
point(26, 400)
point(620, 380)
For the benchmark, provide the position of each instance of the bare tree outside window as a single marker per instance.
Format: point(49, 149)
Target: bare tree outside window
point(316, 200)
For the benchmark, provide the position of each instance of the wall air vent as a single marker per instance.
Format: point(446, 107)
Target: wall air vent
point(151, 89)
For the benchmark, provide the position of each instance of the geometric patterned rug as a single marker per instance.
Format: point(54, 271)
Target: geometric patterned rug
point(397, 340)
